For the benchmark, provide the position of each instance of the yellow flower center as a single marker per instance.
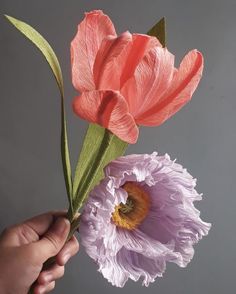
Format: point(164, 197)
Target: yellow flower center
point(134, 211)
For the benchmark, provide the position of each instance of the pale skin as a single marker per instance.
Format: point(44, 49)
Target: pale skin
point(25, 247)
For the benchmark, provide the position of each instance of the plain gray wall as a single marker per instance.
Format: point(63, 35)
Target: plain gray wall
point(202, 136)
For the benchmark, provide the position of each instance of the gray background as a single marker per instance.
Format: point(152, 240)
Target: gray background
point(201, 136)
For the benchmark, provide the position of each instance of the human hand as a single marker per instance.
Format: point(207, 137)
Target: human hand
point(25, 247)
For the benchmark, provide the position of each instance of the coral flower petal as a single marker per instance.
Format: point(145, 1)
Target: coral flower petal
point(134, 65)
point(84, 47)
point(152, 77)
point(110, 61)
point(183, 85)
point(118, 57)
point(140, 46)
point(108, 109)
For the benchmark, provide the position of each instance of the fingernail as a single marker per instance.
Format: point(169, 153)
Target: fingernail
point(48, 278)
point(61, 225)
point(66, 257)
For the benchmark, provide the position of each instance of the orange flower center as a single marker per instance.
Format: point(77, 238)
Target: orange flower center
point(134, 211)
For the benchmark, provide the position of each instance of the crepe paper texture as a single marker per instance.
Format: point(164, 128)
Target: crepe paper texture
point(100, 145)
point(129, 79)
point(140, 217)
point(97, 140)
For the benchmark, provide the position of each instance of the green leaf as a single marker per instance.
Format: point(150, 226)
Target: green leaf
point(47, 51)
point(99, 148)
point(38, 40)
point(159, 31)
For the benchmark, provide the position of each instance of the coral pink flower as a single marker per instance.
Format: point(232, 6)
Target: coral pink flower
point(128, 80)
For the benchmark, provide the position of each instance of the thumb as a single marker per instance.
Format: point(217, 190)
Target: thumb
point(54, 239)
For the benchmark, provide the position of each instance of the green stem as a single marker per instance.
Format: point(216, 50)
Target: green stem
point(65, 153)
point(95, 169)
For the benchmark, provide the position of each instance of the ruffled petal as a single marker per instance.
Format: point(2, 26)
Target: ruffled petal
point(129, 265)
point(108, 109)
point(151, 79)
point(84, 47)
point(167, 234)
point(99, 235)
point(183, 85)
point(139, 257)
point(132, 168)
point(112, 272)
point(173, 217)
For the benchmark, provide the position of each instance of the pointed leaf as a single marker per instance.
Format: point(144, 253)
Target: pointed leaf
point(42, 45)
point(53, 62)
point(159, 31)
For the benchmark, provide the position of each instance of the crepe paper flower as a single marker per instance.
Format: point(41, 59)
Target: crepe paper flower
point(140, 217)
point(128, 80)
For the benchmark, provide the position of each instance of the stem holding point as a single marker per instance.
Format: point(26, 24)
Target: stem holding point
point(73, 228)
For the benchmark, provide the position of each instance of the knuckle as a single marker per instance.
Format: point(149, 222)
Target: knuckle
point(53, 240)
point(27, 233)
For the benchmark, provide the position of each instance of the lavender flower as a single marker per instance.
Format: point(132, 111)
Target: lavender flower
point(141, 216)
